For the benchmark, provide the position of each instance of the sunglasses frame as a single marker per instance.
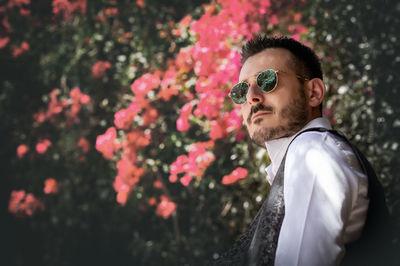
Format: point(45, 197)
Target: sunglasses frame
point(276, 84)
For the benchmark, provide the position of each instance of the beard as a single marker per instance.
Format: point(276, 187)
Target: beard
point(295, 113)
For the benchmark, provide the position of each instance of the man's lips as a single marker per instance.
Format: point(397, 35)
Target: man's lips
point(260, 114)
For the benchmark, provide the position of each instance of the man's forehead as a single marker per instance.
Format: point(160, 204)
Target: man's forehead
point(272, 58)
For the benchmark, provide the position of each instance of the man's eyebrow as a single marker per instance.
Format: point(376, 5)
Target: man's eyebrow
point(246, 80)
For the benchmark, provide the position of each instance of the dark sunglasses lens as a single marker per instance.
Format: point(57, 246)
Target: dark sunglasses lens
point(239, 92)
point(266, 80)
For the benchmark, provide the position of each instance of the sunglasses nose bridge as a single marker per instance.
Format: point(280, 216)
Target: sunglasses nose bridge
point(254, 94)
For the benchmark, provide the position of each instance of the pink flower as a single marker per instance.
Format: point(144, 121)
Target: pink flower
point(168, 84)
point(194, 164)
point(240, 135)
point(66, 8)
point(273, 20)
point(123, 118)
point(152, 201)
point(22, 150)
point(141, 86)
point(20, 50)
point(185, 180)
point(141, 3)
point(84, 144)
point(42, 146)
point(165, 208)
point(4, 41)
point(173, 178)
point(16, 198)
point(99, 69)
point(39, 117)
point(122, 195)
point(149, 116)
point(237, 174)
point(85, 99)
point(182, 124)
point(22, 204)
point(107, 143)
point(157, 184)
point(75, 94)
point(50, 186)
point(217, 130)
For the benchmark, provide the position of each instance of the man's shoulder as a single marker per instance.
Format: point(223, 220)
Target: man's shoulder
point(321, 143)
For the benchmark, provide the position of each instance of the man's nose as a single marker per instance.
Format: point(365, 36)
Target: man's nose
point(254, 95)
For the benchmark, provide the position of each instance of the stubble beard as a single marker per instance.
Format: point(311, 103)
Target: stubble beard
point(295, 113)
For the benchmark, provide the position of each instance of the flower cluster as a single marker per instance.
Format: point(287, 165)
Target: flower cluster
point(128, 176)
point(200, 75)
point(108, 143)
point(19, 50)
point(72, 106)
point(165, 208)
point(194, 164)
point(237, 174)
point(22, 203)
point(66, 9)
point(182, 123)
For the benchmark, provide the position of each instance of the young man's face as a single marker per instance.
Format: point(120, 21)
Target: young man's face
point(281, 112)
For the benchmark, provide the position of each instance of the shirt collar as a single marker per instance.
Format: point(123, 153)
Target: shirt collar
point(276, 148)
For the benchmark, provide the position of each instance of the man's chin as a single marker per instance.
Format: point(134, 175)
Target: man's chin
point(265, 134)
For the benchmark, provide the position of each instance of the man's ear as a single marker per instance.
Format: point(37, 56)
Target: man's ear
point(315, 90)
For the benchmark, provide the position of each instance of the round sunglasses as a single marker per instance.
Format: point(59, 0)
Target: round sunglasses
point(267, 81)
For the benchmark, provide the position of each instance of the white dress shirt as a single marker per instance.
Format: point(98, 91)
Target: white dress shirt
point(325, 193)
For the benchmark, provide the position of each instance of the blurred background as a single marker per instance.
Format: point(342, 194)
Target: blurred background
point(119, 144)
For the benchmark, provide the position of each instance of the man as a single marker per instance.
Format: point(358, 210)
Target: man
point(319, 197)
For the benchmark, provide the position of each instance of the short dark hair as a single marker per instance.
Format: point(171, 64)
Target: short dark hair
point(305, 61)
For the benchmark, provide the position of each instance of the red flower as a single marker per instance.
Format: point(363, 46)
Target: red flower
point(237, 174)
point(99, 69)
point(22, 150)
point(165, 208)
point(50, 186)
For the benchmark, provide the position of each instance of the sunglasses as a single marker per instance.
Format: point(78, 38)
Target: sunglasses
point(267, 81)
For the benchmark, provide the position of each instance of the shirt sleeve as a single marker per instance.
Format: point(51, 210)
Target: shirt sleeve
point(320, 188)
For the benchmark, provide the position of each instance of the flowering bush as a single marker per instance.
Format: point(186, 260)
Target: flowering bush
point(146, 84)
